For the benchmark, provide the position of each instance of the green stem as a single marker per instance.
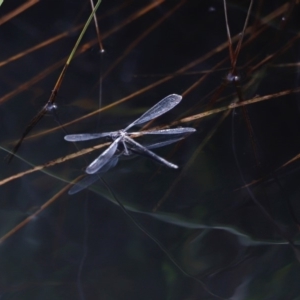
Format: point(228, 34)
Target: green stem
point(83, 32)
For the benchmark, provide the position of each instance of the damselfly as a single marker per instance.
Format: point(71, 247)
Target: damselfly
point(121, 138)
point(89, 179)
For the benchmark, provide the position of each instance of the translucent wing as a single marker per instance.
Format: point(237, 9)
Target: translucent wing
point(86, 136)
point(157, 110)
point(138, 148)
point(162, 144)
point(90, 179)
point(104, 158)
point(179, 130)
point(83, 183)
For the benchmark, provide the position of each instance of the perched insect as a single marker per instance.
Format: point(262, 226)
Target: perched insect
point(89, 179)
point(121, 138)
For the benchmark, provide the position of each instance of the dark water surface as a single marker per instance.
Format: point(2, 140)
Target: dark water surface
point(241, 242)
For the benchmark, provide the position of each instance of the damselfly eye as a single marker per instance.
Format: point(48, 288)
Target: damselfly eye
point(115, 135)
